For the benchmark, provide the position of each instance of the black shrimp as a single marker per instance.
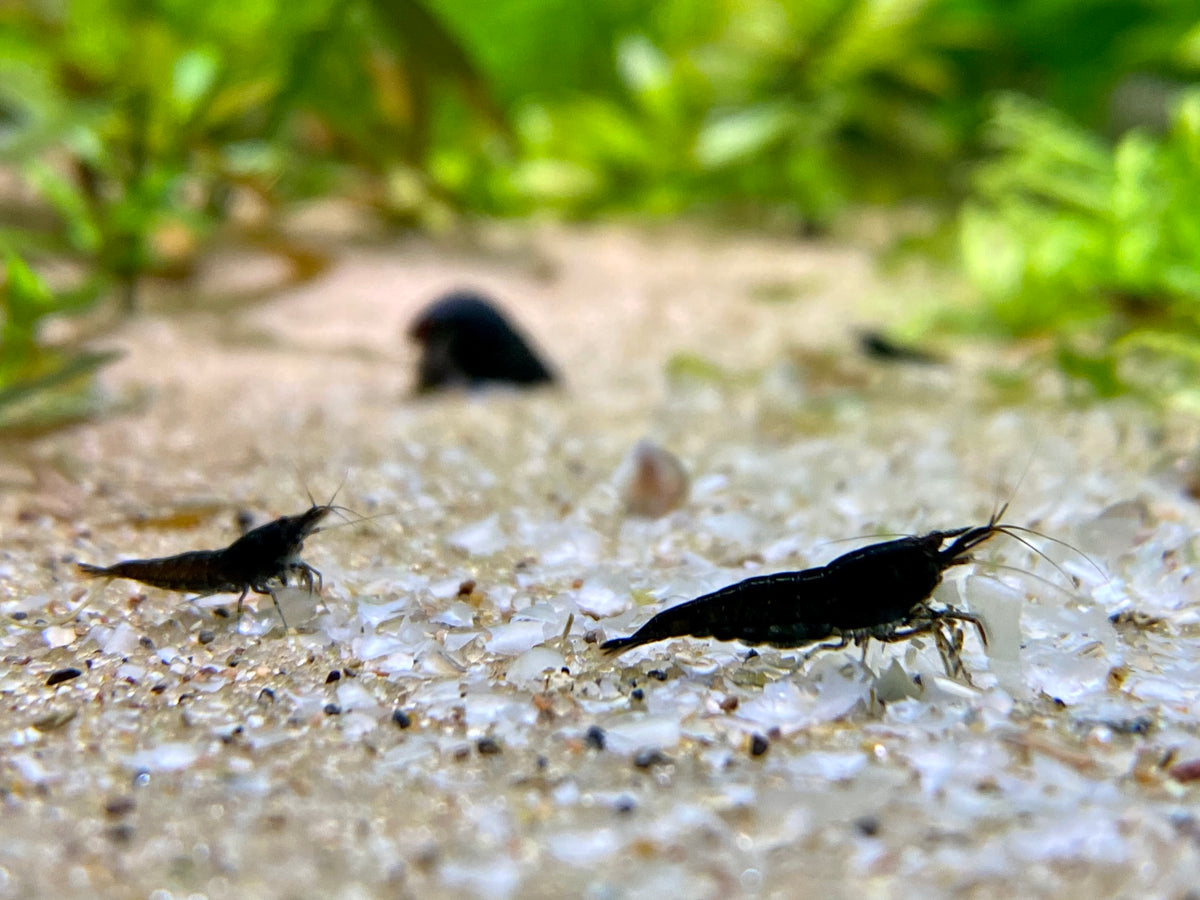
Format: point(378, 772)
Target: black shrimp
point(881, 591)
point(262, 555)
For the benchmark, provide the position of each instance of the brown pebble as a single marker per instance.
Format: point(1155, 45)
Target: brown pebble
point(659, 482)
point(729, 703)
point(120, 806)
point(487, 746)
point(1186, 771)
point(62, 675)
point(466, 588)
point(53, 721)
point(206, 637)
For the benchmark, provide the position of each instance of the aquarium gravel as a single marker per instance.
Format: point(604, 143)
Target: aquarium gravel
point(439, 722)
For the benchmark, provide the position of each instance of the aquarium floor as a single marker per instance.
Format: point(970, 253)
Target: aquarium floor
point(440, 722)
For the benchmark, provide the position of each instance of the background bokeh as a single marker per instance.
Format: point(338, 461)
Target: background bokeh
point(1051, 147)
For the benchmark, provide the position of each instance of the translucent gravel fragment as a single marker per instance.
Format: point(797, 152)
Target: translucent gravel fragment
point(999, 605)
point(1083, 837)
point(632, 732)
point(515, 637)
point(707, 485)
point(357, 724)
point(786, 549)
point(604, 595)
point(584, 848)
point(735, 528)
point(29, 768)
point(1067, 677)
point(485, 707)
point(130, 672)
point(561, 545)
point(168, 757)
point(373, 613)
point(895, 684)
point(496, 878)
point(456, 615)
point(58, 636)
point(532, 664)
point(455, 642)
point(351, 695)
point(413, 750)
point(827, 766)
point(373, 646)
point(482, 538)
point(118, 641)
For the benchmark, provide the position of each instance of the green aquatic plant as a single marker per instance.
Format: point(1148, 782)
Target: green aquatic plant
point(41, 386)
point(1095, 245)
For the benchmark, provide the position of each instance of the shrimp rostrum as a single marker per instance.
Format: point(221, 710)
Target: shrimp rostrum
point(881, 591)
point(256, 561)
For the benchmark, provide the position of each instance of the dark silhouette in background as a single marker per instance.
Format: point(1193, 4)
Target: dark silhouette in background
point(467, 342)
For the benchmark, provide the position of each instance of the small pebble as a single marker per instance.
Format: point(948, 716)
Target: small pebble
point(1186, 771)
point(62, 675)
point(206, 637)
point(657, 674)
point(657, 481)
point(868, 826)
point(332, 709)
point(120, 806)
point(729, 703)
point(647, 758)
point(466, 588)
point(266, 695)
point(120, 834)
point(487, 746)
point(20, 615)
point(637, 694)
point(758, 745)
point(333, 676)
point(595, 737)
point(401, 718)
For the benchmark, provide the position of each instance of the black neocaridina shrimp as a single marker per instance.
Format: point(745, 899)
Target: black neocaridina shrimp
point(880, 591)
point(260, 556)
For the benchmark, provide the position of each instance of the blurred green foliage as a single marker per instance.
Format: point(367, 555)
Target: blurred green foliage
point(138, 128)
point(1098, 246)
point(39, 386)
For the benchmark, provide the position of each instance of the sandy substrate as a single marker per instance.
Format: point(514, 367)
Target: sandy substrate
point(420, 736)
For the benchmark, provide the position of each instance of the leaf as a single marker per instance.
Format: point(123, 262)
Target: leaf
point(71, 369)
point(733, 137)
point(433, 50)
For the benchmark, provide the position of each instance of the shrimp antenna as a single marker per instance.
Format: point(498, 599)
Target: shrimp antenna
point(1004, 529)
point(1001, 567)
point(1008, 529)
